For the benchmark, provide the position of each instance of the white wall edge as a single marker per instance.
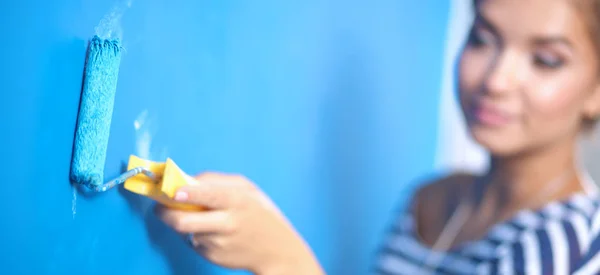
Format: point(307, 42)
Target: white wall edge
point(455, 149)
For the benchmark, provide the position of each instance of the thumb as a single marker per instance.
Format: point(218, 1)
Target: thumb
point(214, 194)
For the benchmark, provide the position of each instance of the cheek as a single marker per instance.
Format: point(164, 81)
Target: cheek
point(555, 100)
point(472, 71)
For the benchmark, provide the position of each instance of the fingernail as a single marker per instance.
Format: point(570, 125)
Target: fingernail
point(181, 196)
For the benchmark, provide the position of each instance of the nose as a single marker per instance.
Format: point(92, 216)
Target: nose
point(502, 74)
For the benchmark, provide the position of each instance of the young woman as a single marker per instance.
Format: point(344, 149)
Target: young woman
point(529, 86)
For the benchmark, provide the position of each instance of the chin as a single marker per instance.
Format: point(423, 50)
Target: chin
point(496, 141)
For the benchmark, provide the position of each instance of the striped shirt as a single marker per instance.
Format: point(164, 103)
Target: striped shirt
point(560, 238)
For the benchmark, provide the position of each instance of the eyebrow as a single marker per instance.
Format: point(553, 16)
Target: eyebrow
point(484, 22)
point(552, 40)
point(540, 40)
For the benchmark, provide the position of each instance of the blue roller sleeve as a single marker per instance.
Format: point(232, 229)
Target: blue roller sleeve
point(95, 111)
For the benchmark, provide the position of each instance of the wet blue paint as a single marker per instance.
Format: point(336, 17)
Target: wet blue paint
point(95, 111)
point(330, 106)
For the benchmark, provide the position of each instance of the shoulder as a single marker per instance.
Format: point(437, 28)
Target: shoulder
point(430, 193)
point(590, 261)
point(434, 200)
point(589, 207)
point(445, 183)
point(427, 196)
point(442, 189)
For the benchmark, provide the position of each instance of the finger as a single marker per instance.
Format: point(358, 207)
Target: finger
point(214, 193)
point(210, 176)
point(197, 222)
point(199, 240)
point(223, 179)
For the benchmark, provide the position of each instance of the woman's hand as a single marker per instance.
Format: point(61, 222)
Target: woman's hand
point(242, 228)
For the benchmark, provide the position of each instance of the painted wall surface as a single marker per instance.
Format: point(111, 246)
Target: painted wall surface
point(330, 106)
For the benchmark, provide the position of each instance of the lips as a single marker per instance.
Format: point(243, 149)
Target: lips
point(489, 115)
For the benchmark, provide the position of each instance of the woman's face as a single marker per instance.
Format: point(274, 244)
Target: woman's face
point(528, 74)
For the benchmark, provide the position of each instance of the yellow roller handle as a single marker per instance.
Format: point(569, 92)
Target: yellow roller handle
point(171, 179)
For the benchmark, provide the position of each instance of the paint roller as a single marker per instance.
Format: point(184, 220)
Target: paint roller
point(95, 113)
point(155, 180)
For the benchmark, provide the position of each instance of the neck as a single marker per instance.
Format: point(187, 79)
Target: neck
point(517, 180)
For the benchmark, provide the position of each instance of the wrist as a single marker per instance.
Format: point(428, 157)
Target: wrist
point(301, 262)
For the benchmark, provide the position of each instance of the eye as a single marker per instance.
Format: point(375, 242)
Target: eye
point(548, 61)
point(479, 38)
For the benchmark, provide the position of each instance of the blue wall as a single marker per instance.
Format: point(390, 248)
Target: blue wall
point(330, 106)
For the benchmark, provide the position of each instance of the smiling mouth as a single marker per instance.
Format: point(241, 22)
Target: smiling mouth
point(489, 116)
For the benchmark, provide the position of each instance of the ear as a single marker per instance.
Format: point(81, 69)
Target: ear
point(591, 106)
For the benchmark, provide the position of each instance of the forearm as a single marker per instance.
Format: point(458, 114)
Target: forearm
point(301, 262)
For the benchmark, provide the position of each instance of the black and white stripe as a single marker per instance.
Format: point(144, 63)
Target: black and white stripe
point(561, 238)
